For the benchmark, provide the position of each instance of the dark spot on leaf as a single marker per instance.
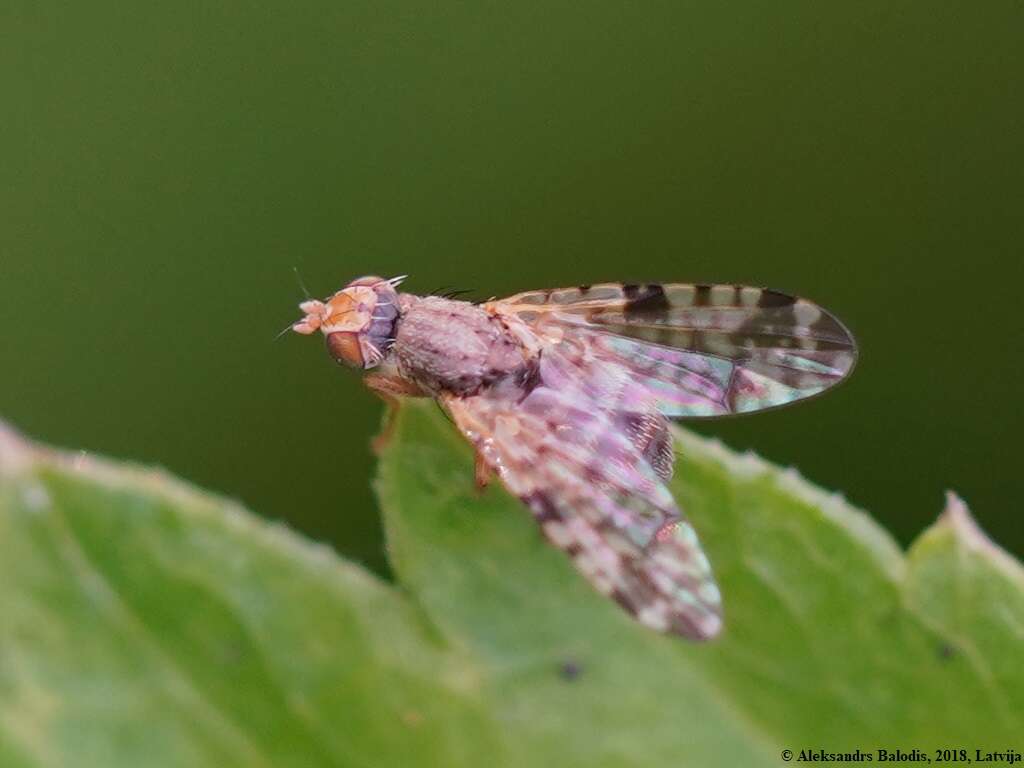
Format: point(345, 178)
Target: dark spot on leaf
point(412, 718)
point(570, 670)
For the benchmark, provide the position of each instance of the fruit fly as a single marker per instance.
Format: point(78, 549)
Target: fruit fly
point(566, 395)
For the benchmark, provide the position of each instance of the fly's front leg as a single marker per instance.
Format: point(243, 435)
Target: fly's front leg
point(390, 389)
point(481, 471)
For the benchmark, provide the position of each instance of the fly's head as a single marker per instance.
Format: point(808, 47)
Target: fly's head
point(358, 321)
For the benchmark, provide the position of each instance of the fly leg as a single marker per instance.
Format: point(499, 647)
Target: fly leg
point(472, 429)
point(481, 471)
point(390, 389)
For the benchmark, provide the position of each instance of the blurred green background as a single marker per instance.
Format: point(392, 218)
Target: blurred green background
point(164, 166)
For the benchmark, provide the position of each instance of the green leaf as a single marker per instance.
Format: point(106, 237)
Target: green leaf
point(147, 623)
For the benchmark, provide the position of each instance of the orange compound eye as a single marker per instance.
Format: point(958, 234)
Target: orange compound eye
point(344, 347)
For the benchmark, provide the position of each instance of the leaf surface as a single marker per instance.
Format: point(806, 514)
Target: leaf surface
point(148, 623)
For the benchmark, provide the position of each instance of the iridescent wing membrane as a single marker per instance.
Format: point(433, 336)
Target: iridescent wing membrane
point(584, 441)
point(704, 350)
point(594, 478)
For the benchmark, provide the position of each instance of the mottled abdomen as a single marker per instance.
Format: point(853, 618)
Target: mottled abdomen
point(454, 346)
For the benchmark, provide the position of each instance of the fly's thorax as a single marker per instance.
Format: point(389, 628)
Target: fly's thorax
point(454, 346)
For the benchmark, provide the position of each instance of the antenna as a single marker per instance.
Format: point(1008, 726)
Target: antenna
point(299, 280)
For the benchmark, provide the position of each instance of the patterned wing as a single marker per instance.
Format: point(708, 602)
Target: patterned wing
point(593, 477)
point(701, 350)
